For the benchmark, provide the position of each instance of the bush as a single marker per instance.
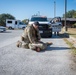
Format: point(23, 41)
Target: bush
point(74, 25)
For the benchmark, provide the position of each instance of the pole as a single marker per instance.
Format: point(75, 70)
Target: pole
point(65, 14)
point(54, 9)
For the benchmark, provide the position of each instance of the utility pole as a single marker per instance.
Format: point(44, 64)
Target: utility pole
point(65, 14)
point(54, 8)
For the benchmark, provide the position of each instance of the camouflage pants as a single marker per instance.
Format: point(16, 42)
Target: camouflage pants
point(41, 45)
point(22, 44)
point(32, 46)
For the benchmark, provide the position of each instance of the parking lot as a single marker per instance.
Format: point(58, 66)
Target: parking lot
point(55, 60)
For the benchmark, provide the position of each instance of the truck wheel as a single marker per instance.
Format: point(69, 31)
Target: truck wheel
point(10, 28)
point(50, 35)
point(23, 28)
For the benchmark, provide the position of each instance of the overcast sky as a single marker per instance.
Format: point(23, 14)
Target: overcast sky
point(22, 9)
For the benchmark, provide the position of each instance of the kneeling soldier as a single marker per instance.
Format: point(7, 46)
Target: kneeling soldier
point(31, 38)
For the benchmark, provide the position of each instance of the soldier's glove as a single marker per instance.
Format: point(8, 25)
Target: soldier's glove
point(49, 43)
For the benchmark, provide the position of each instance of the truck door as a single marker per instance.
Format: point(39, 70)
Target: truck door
point(56, 24)
point(16, 24)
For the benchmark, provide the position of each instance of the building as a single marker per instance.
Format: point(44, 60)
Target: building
point(69, 21)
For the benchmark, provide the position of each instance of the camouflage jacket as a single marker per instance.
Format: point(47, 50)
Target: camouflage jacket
point(31, 35)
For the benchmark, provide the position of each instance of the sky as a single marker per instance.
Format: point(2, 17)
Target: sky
point(24, 9)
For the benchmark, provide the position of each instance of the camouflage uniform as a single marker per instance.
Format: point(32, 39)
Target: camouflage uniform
point(30, 38)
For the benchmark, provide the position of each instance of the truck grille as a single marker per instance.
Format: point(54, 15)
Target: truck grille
point(43, 26)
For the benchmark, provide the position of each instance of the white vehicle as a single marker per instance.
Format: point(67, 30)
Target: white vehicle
point(12, 24)
point(2, 29)
point(44, 25)
point(56, 24)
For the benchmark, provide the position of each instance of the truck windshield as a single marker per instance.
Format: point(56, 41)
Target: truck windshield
point(38, 19)
point(56, 19)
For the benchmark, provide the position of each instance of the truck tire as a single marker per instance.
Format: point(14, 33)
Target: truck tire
point(51, 33)
point(11, 28)
point(23, 28)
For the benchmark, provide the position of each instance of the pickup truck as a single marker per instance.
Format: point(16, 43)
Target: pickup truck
point(44, 25)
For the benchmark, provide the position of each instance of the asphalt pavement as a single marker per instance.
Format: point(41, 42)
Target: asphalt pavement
point(55, 60)
point(9, 34)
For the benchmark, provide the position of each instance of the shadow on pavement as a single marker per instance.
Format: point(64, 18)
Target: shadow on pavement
point(61, 35)
point(56, 48)
point(64, 35)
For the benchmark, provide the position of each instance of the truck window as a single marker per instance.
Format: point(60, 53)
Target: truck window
point(21, 23)
point(9, 21)
point(38, 19)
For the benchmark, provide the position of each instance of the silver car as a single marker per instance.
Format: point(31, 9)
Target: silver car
point(2, 29)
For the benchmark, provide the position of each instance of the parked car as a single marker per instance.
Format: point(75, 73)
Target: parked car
point(2, 29)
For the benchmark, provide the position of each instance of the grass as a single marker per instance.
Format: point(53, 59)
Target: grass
point(72, 32)
point(71, 46)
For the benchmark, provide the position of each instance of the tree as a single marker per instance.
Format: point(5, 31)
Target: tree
point(3, 18)
point(25, 21)
point(70, 14)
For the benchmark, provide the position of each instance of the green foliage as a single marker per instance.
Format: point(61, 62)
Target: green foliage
point(74, 25)
point(25, 21)
point(70, 14)
point(3, 18)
